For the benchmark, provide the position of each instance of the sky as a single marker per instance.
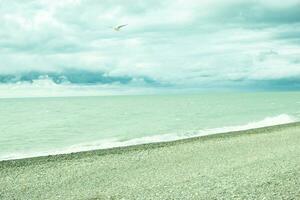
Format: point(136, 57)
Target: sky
point(204, 44)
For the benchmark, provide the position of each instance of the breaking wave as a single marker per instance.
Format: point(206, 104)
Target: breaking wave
point(115, 142)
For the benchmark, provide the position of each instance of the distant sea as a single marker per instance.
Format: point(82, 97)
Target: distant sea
point(41, 126)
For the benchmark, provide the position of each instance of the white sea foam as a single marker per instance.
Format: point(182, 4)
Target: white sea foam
point(115, 142)
point(268, 121)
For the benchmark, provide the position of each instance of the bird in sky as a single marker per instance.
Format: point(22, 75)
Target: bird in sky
point(118, 28)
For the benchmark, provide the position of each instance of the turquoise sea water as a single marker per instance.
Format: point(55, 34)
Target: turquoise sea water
point(41, 126)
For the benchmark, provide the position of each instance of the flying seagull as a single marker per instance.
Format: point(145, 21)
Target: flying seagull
point(118, 28)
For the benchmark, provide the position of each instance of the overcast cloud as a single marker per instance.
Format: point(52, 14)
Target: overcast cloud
point(180, 43)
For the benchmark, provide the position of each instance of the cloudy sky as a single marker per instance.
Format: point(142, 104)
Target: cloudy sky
point(169, 43)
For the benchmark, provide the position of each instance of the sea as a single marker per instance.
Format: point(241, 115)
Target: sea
point(32, 127)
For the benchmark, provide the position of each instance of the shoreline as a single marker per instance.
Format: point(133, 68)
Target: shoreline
point(261, 163)
point(120, 149)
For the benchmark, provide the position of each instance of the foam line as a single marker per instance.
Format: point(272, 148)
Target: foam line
point(115, 142)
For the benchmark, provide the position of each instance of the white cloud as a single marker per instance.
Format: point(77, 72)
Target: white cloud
point(181, 42)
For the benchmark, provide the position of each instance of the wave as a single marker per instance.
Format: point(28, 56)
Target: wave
point(116, 142)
